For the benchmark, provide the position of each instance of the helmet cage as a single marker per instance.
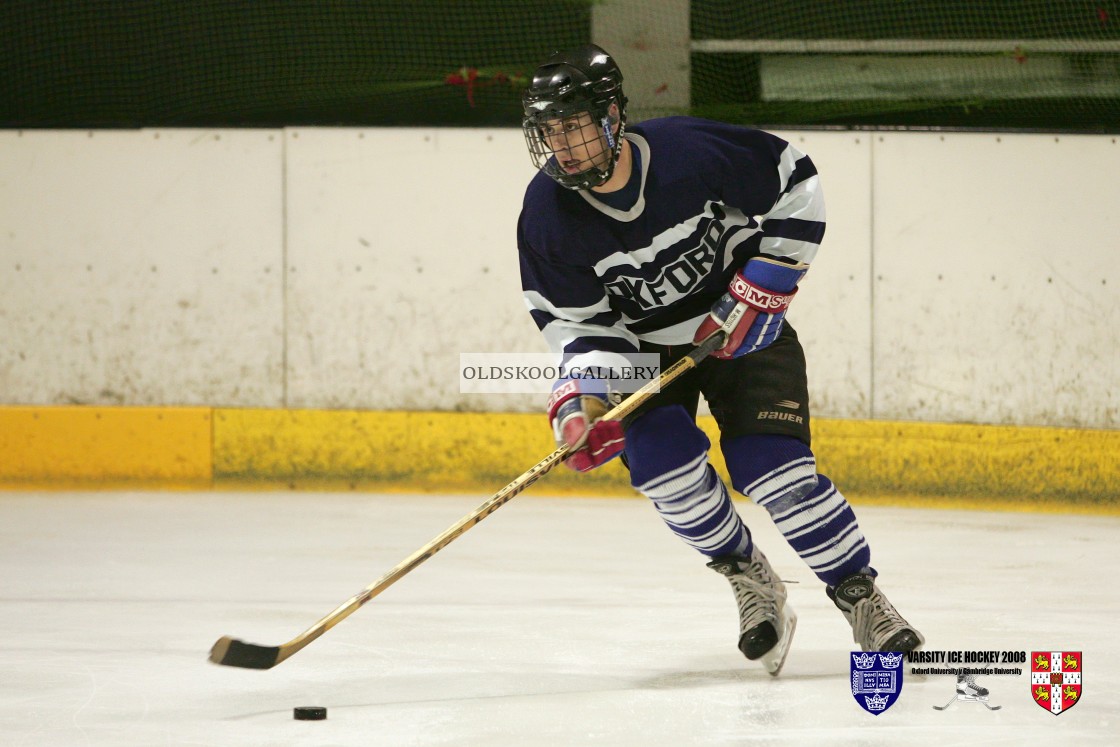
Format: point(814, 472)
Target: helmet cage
point(597, 137)
point(564, 90)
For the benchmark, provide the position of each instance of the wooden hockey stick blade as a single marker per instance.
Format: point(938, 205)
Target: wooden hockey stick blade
point(232, 652)
point(942, 708)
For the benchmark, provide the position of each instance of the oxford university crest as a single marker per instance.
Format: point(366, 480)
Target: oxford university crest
point(876, 679)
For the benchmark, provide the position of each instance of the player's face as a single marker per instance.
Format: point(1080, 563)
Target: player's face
point(576, 142)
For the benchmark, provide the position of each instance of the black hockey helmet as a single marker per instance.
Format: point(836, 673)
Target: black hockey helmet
point(584, 80)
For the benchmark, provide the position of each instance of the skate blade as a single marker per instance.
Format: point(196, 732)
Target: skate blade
point(974, 699)
point(773, 659)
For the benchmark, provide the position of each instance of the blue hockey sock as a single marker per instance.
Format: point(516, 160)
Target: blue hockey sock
point(780, 474)
point(668, 459)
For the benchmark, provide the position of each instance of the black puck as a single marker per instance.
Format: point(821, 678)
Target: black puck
point(310, 713)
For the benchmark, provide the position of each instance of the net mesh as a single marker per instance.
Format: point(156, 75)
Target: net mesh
point(1049, 64)
point(979, 63)
point(275, 62)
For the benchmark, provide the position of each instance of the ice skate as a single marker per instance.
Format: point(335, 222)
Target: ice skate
point(968, 690)
point(876, 624)
point(766, 622)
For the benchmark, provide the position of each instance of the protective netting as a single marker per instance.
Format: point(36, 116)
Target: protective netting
point(997, 63)
point(1051, 64)
point(274, 62)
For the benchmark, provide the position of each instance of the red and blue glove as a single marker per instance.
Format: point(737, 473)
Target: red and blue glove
point(753, 310)
point(575, 409)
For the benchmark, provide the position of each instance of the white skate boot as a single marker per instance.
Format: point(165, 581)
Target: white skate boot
point(967, 689)
point(766, 622)
point(876, 624)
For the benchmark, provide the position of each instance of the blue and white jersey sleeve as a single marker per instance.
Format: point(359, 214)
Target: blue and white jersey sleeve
point(794, 226)
point(570, 306)
point(772, 176)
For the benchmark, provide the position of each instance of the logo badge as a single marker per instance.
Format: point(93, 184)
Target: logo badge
point(1056, 679)
point(876, 679)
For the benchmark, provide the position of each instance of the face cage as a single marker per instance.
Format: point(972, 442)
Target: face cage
point(544, 158)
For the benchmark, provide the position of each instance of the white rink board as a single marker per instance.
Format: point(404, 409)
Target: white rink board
point(996, 280)
point(141, 267)
point(402, 254)
point(832, 313)
point(348, 268)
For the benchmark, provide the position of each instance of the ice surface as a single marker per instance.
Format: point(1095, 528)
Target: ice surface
point(557, 621)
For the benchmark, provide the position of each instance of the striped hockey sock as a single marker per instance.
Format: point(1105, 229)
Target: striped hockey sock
point(822, 528)
point(668, 459)
point(808, 510)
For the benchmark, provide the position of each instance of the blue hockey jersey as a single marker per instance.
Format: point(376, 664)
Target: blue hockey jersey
point(598, 280)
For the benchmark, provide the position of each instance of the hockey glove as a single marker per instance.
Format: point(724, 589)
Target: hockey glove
point(574, 410)
point(754, 308)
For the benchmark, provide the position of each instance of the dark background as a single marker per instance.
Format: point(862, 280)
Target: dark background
point(266, 63)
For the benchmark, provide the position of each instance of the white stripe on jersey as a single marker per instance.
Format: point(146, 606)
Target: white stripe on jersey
point(787, 164)
point(598, 359)
point(680, 232)
point(804, 202)
point(536, 302)
point(560, 333)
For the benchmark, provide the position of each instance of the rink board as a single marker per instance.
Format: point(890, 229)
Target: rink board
point(297, 267)
point(108, 447)
point(93, 447)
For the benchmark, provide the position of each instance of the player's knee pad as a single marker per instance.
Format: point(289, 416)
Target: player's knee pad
point(661, 441)
point(773, 471)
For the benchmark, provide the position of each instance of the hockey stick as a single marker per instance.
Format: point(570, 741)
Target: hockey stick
point(969, 700)
point(235, 653)
point(942, 708)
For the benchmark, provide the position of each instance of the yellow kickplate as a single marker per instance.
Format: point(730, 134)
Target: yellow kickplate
point(1030, 467)
point(390, 450)
point(993, 466)
point(89, 447)
point(998, 467)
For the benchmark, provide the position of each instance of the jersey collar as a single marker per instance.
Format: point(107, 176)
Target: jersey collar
point(626, 216)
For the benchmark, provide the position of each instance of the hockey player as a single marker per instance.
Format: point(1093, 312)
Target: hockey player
point(649, 239)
